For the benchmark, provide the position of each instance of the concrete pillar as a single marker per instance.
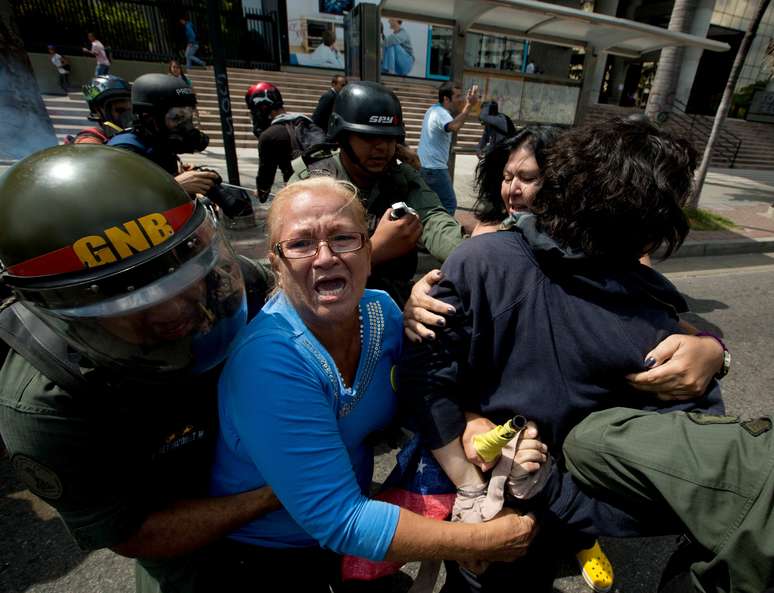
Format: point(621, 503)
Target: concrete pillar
point(617, 79)
point(609, 7)
point(701, 22)
point(585, 95)
point(458, 53)
point(24, 123)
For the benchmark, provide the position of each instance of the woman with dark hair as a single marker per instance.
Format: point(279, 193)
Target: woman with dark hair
point(517, 161)
point(553, 312)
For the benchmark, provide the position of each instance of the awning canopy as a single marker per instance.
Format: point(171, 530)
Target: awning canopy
point(550, 23)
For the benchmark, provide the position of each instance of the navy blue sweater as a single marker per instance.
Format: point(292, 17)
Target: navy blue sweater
point(539, 332)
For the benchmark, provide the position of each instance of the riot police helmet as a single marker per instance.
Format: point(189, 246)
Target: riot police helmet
point(369, 108)
point(101, 91)
point(130, 271)
point(165, 107)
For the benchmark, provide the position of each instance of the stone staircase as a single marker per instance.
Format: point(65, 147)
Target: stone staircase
point(69, 114)
point(755, 152)
point(301, 91)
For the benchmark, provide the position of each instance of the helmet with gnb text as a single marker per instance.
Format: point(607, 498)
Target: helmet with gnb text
point(367, 108)
point(111, 253)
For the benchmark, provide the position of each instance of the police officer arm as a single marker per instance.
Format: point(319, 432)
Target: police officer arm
point(441, 232)
point(196, 182)
point(187, 525)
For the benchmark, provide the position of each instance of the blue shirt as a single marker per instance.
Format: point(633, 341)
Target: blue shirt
point(288, 420)
point(434, 139)
point(190, 35)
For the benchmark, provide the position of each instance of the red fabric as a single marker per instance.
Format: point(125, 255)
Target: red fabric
point(433, 506)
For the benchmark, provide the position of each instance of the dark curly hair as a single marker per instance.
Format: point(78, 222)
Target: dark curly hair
point(489, 205)
point(615, 190)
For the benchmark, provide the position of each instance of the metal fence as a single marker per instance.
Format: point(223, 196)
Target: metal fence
point(149, 30)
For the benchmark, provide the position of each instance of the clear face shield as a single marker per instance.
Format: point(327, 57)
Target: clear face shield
point(184, 321)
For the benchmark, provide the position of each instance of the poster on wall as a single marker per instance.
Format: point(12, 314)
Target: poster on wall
point(404, 47)
point(316, 32)
point(316, 38)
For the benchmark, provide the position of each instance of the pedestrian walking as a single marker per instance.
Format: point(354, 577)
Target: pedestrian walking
point(98, 51)
point(62, 67)
point(192, 44)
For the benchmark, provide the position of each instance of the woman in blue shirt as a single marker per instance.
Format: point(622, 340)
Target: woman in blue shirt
point(307, 381)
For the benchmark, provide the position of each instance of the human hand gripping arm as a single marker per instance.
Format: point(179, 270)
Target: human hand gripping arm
point(422, 311)
point(682, 367)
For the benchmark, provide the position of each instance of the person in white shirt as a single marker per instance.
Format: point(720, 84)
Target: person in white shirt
point(326, 54)
point(441, 120)
point(62, 68)
point(98, 51)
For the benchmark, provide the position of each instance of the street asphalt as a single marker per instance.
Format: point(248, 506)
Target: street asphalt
point(728, 295)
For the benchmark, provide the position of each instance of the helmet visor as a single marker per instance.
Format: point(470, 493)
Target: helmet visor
point(184, 321)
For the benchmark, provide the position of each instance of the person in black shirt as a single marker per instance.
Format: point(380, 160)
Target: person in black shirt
point(322, 112)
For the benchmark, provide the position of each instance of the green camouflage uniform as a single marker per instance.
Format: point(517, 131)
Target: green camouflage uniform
point(716, 473)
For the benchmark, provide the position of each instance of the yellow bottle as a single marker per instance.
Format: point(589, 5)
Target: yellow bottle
point(489, 444)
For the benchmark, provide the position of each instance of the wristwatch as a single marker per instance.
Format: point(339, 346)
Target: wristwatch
point(726, 355)
point(726, 365)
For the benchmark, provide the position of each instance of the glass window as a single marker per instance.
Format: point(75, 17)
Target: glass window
point(440, 52)
point(488, 51)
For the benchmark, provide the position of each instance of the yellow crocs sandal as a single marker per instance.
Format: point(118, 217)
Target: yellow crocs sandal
point(596, 568)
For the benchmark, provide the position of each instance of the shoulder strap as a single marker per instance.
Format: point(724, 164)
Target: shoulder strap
point(95, 132)
point(40, 346)
point(295, 145)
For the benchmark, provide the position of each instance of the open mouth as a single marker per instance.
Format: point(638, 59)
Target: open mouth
point(330, 288)
point(515, 207)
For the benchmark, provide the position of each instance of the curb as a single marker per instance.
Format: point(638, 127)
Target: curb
point(723, 247)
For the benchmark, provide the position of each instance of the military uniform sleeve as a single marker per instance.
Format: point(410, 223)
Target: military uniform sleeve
point(433, 374)
point(64, 458)
point(441, 232)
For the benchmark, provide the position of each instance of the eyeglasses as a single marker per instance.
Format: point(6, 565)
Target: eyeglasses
point(301, 248)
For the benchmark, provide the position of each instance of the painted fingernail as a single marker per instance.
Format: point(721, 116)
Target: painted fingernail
point(452, 310)
point(649, 362)
point(441, 322)
point(431, 336)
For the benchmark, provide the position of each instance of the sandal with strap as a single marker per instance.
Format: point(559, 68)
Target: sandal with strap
point(596, 568)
